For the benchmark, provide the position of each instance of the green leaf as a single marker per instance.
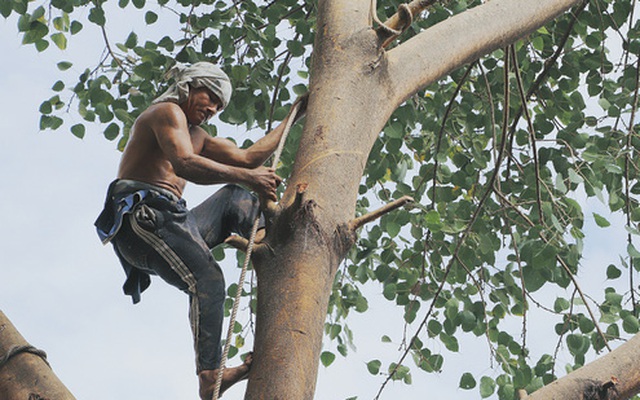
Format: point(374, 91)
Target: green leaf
point(60, 40)
point(561, 305)
point(61, 23)
point(41, 45)
point(58, 86)
point(36, 31)
point(112, 131)
point(6, 7)
point(577, 344)
point(394, 130)
point(393, 228)
point(633, 252)
point(630, 324)
point(533, 280)
point(132, 40)
point(374, 367)
point(64, 65)
point(75, 27)
point(150, 17)
point(389, 291)
point(96, 15)
point(295, 47)
point(613, 272)
point(300, 89)
point(450, 342)
point(432, 220)
point(434, 328)
point(467, 381)
point(327, 358)
point(487, 386)
point(600, 220)
point(78, 130)
point(46, 107)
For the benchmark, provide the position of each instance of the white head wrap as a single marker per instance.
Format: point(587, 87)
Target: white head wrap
point(197, 75)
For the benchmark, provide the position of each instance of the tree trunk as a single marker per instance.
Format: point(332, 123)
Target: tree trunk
point(355, 86)
point(26, 376)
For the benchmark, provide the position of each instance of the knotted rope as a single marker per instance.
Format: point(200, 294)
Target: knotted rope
point(247, 259)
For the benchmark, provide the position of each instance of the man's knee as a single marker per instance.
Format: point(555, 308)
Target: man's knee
point(234, 191)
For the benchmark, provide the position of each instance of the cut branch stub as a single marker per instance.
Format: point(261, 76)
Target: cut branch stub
point(358, 222)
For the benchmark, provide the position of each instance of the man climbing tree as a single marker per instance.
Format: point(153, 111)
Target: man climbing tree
point(149, 225)
point(492, 115)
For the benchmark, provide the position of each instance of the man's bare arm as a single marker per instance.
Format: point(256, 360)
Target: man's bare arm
point(172, 133)
point(226, 151)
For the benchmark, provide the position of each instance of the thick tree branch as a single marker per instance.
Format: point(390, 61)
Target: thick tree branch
point(442, 48)
point(25, 375)
point(616, 373)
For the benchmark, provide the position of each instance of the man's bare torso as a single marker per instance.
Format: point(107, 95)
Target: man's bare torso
point(143, 158)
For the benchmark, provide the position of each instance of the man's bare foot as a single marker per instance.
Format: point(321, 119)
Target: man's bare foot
point(241, 243)
point(260, 234)
point(230, 376)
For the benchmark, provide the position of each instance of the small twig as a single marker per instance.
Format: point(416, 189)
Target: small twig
point(276, 90)
point(532, 133)
point(111, 53)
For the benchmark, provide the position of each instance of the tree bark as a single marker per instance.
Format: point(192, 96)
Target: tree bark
point(25, 375)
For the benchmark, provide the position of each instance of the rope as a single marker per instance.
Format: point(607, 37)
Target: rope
point(402, 9)
point(247, 259)
point(15, 350)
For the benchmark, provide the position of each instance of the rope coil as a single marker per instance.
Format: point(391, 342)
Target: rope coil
point(15, 350)
point(247, 259)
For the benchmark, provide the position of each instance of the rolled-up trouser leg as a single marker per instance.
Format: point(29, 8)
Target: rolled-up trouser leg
point(231, 210)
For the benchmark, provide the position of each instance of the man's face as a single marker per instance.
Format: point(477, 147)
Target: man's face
point(201, 105)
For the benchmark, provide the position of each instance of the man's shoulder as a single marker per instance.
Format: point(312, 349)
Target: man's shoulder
point(165, 107)
point(164, 113)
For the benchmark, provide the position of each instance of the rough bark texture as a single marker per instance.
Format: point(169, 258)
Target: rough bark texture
point(26, 376)
point(355, 86)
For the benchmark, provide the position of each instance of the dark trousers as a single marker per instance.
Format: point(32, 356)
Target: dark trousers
point(162, 237)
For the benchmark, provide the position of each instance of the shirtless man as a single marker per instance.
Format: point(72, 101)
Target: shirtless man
point(149, 225)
